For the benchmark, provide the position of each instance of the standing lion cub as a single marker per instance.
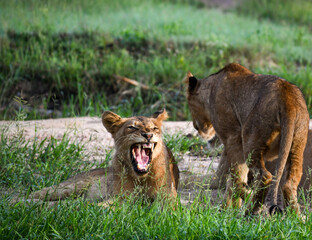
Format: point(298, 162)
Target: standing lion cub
point(141, 161)
point(257, 117)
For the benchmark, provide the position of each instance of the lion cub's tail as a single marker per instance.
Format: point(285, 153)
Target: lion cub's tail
point(294, 133)
point(287, 134)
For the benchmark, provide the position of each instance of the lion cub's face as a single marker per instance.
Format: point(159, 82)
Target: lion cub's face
point(136, 139)
point(201, 121)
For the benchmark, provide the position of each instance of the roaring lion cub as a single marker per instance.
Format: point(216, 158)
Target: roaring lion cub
point(141, 160)
point(257, 117)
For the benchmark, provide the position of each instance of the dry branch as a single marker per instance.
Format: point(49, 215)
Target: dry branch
point(132, 82)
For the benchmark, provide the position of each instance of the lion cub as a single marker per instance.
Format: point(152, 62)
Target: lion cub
point(257, 118)
point(141, 161)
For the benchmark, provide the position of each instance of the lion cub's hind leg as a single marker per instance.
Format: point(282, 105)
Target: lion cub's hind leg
point(73, 187)
point(262, 178)
point(293, 177)
point(256, 142)
point(220, 176)
point(236, 188)
point(61, 191)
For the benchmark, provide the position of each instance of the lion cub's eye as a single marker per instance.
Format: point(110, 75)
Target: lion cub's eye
point(156, 128)
point(133, 128)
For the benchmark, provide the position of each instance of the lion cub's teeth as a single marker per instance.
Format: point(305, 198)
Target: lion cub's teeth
point(153, 145)
point(148, 145)
point(133, 152)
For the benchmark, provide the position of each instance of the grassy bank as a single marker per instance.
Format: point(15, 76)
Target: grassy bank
point(65, 58)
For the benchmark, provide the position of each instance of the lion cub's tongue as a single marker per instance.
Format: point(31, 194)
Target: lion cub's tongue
point(141, 158)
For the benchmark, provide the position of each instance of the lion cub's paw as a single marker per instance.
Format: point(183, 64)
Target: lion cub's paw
point(275, 209)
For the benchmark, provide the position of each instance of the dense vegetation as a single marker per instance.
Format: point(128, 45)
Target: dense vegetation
point(68, 58)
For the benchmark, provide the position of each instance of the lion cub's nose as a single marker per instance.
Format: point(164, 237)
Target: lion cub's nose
point(148, 136)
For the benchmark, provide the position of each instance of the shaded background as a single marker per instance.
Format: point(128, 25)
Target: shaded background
point(77, 58)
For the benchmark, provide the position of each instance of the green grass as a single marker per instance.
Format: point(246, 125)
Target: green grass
point(73, 220)
point(63, 56)
point(32, 165)
point(180, 144)
point(286, 11)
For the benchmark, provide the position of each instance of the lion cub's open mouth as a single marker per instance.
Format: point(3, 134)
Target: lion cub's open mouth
point(141, 155)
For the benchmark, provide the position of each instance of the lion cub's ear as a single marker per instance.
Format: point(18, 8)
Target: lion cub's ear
point(160, 116)
point(192, 82)
point(112, 122)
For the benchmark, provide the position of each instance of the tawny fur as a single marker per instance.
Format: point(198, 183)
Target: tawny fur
point(257, 118)
point(219, 178)
point(120, 178)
